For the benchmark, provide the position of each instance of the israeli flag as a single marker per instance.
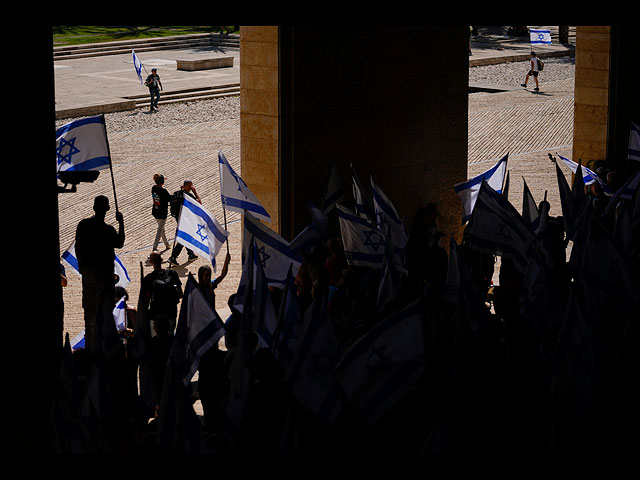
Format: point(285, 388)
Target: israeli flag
point(121, 272)
point(235, 194)
point(539, 36)
point(69, 258)
point(634, 143)
point(364, 244)
point(387, 216)
point(120, 315)
point(82, 145)
point(468, 191)
point(199, 329)
point(379, 368)
point(362, 198)
point(199, 230)
point(273, 252)
point(78, 341)
point(497, 228)
point(137, 64)
point(311, 372)
point(588, 175)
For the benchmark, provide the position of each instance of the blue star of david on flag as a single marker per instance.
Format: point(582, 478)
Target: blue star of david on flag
point(235, 194)
point(540, 36)
point(374, 239)
point(362, 241)
point(264, 256)
point(65, 150)
point(377, 359)
point(199, 230)
point(82, 145)
point(202, 236)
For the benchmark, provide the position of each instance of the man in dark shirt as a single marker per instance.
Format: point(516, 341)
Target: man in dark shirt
point(163, 289)
point(159, 210)
point(154, 84)
point(187, 189)
point(95, 244)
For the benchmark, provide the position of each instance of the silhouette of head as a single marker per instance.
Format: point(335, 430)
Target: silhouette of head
point(101, 205)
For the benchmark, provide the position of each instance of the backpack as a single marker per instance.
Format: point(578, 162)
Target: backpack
point(540, 65)
point(163, 293)
point(175, 203)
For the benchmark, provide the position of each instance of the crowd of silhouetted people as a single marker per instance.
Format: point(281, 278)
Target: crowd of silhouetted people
point(503, 375)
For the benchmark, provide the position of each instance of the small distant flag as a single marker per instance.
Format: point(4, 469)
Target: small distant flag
point(540, 36)
point(137, 64)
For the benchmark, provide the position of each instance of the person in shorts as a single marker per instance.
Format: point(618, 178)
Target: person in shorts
point(533, 72)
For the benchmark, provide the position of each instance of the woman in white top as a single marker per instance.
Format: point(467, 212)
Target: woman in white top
point(533, 71)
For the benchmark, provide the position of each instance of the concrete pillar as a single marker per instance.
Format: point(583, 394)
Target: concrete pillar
point(591, 107)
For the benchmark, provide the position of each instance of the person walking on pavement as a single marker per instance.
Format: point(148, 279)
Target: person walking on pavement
point(159, 210)
point(155, 85)
point(533, 71)
point(176, 203)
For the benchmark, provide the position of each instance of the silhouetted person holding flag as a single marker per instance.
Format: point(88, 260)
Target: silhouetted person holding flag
point(95, 244)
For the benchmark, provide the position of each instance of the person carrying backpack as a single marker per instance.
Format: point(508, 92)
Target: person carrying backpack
point(163, 289)
point(536, 67)
point(174, 208)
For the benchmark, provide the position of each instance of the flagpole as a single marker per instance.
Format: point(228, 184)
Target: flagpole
point(113, 183)
point(224, 214)
point(224, 210)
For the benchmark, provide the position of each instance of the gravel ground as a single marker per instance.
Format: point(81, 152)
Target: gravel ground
point(223, 108)
point(555, 69)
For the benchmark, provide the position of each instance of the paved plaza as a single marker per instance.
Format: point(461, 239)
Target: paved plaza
point(525, 124)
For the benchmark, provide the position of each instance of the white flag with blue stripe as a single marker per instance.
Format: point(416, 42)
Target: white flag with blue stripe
point(78, 341)
point(137, 64)
point(120, 315)
point(199, 329)
point(363, 199)
point(634, 143)
point(82, 145)
point(273, 252)
point(119, 270)
point(387, 216)
point(381, 367)
point(540, 36)
point(588, 175)
point(468, 191)
point(311, 373)
point(235, 194)
point(364, 244)
point(497, 228)
point(199, 230)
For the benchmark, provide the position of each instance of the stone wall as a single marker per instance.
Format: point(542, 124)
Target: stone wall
point(591, 108)
point(259, 116)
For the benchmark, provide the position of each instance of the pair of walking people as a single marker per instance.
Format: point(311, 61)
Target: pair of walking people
point(162, 201)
